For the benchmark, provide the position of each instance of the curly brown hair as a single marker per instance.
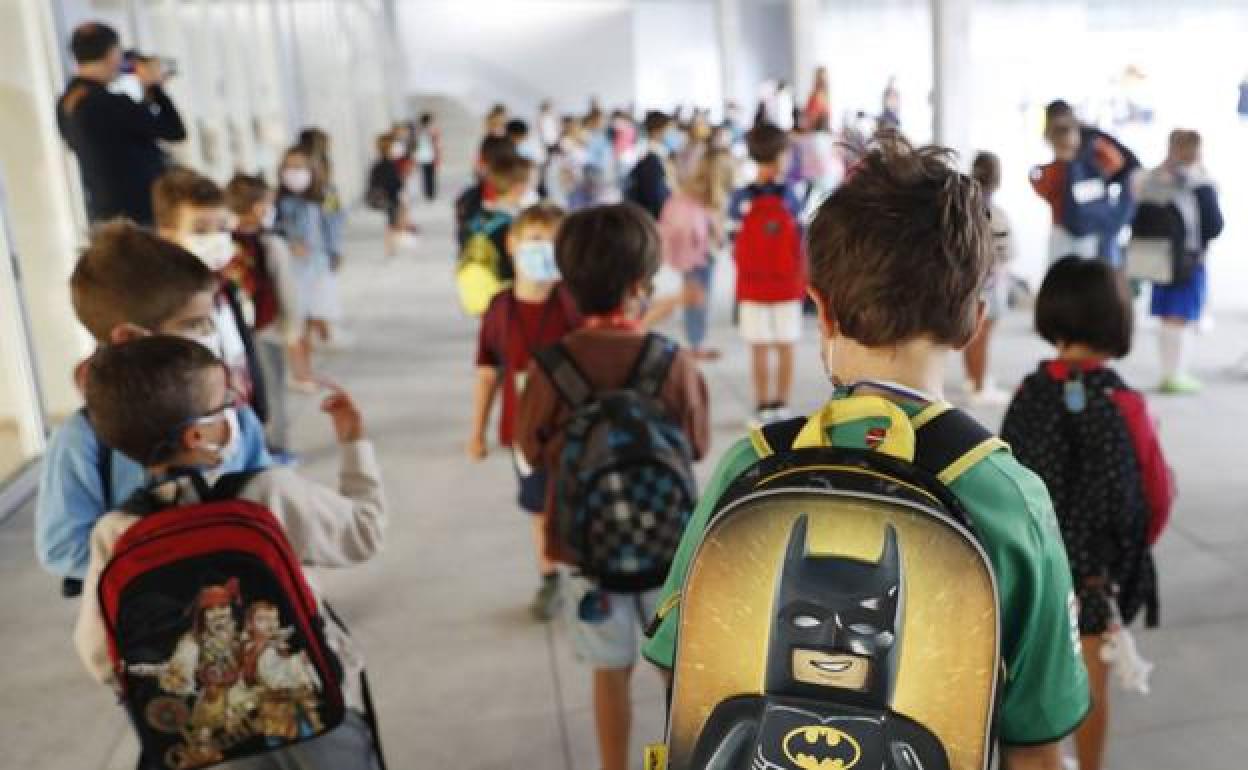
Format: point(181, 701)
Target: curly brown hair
point(901, 250)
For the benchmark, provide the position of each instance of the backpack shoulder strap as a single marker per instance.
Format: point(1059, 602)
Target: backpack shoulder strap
point(948, 441)
point(570, 382)
point(652, 365)
point(777, 436)
point(231, 485)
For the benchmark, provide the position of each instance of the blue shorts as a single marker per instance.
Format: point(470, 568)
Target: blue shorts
point(615, 641)
point(531, 482)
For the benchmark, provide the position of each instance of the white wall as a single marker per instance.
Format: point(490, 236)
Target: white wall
point(677, 55)
point(520, 51)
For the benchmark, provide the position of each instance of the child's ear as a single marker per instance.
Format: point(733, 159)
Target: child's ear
point(125, 332)
point(827, 326)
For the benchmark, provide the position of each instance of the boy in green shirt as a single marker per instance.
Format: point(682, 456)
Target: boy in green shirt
point(898, 255)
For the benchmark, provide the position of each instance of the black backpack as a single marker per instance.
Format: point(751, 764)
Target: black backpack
point(625, 487)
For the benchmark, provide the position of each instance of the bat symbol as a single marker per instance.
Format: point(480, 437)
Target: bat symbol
point(820, 747)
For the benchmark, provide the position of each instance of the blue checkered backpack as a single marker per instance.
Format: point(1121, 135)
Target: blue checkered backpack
point(625, 486)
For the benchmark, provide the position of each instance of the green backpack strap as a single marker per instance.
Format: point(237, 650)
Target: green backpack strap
point(948, 442)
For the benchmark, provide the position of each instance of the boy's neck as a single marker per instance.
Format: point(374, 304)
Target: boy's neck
point(246, 227)
point(1078, 352)
point(531, 291)
point(767, 173)
point(917, 364)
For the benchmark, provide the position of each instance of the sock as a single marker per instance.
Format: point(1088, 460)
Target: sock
point(1170, 339)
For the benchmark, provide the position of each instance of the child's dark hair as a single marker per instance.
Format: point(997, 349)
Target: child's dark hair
point(766, 143)
point(244, 191)
point(141, 392)
point(655, 123)
point(91, 41)
point(986, 169)
point(127, 274)
point(605, 251)
point(180, 186)
point(516, 129)
point(494, 148)
point(902, 248)
point(508, 171)
point(1087, 302)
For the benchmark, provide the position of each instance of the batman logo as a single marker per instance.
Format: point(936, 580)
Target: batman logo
point(820, 747)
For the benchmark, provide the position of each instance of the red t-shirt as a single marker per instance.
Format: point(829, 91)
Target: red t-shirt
point(511, 332)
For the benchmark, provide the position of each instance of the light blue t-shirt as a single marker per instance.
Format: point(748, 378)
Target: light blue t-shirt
point(71, 493)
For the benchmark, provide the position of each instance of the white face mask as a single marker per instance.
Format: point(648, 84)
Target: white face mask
point(211, 340)
point(297, 180)
point(232, 445)
point(215, 250)
point(535, 260)
point(398, 151)
point(269, 220)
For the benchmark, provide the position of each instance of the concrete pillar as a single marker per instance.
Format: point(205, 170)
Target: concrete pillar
point(951, 74)
point(728, 32)
point(44, 237)
point(804, 26)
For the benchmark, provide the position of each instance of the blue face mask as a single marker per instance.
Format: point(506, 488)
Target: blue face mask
point(536, 261)
point(674, 140)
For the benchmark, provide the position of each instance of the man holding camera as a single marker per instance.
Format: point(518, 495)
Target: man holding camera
point(115, 135)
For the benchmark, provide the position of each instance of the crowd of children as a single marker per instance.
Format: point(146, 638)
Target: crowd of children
point(903, 259)
point(203, 323)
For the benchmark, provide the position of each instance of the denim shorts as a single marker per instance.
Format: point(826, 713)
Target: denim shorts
point(615, 641)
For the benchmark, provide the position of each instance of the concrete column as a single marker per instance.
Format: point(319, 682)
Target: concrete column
point(804, 29)
point(728, 32)
point(41, 206)
point(951, 74)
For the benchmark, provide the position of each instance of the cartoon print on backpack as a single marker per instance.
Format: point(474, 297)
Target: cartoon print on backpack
point(232, 677)
point(832, 661)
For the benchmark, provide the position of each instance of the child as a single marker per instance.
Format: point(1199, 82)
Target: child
point(986, 169)
point(190, 210)
point(1067, 424)
point(385, 190)
point(649, 183)
point(314, 142)
point(128, 283)
point(302, 220)
point(771, 280)
point(898, 255)
point(692, 229)
point(428, 155)
point(607, 256)
point(473, 199)
point(1182, 182)
point(263, 271)
point(165, 400)
point(522, 319)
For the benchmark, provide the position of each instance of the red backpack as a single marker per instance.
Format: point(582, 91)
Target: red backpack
point(768, 251)
point(1155, 474)
point(214, 633)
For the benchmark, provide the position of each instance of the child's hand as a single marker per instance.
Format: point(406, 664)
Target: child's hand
point(693, 295)
point(346, 416)
point(477, 449)
point(298, 249)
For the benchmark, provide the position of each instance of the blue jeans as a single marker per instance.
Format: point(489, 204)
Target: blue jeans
point(695, 316)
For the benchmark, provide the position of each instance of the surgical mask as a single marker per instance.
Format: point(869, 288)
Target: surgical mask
point(530, 198)
point(398, 151)
point(269, 220)
point(536, 261)
point(228, 449)
point(674, 140)
point(215, 250)
point(130, 85)
point(297, 180)
point(211, 340)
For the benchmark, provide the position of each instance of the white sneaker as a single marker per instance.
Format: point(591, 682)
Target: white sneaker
point(989, 395)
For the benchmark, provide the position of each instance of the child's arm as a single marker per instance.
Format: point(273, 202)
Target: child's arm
point(290, 313)
point(482, 403)
point(328, 527)
point(70, 500)
point(90, 635)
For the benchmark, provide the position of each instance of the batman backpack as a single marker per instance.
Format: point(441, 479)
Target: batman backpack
point(625, 487)
point(839, 612)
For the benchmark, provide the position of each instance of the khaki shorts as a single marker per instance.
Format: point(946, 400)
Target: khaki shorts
point(771, 323)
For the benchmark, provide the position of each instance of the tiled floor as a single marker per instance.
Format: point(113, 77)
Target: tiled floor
point(464, 680)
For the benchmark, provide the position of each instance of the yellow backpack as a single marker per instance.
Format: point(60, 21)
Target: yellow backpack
point(481, 270)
